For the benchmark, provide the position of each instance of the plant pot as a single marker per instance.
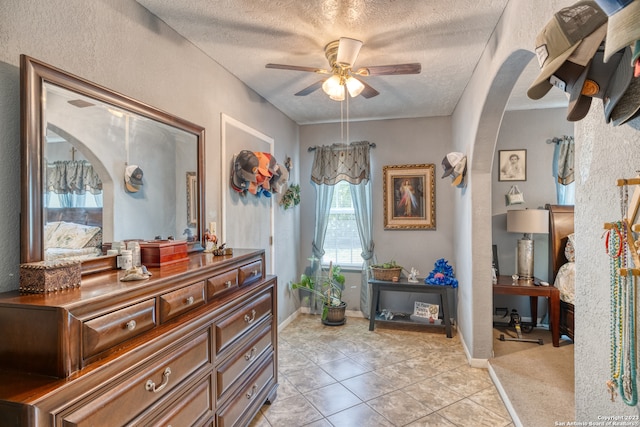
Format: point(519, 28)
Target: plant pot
point(335, 315)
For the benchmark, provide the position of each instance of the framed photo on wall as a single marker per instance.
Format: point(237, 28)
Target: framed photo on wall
point(192, 191)
point(409, 197)
point(512, 165)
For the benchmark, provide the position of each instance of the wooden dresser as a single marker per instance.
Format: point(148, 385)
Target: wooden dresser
point(194, 345)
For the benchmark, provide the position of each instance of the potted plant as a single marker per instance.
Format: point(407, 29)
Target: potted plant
point(389, 271)
point(327, 287)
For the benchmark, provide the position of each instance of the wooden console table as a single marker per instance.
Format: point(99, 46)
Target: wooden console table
point(404, 286)
point(507, 286)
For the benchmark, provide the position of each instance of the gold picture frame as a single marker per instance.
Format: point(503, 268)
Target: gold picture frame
point(409, 197)
point(192, 192)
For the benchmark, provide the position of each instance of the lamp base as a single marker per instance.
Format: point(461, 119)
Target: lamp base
point(525, 259)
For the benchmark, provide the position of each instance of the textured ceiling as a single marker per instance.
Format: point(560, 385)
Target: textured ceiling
point(446, 37)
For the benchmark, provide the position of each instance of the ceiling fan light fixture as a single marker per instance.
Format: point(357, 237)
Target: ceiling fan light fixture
point(348, 51)
point(354, 86)
point(334, 88)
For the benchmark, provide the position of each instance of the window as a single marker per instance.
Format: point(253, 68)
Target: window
point(342, 243)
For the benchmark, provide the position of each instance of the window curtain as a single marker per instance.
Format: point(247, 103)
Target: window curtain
point(71, 180)
point(344, 162)
point(563, 170)
point(361, 196)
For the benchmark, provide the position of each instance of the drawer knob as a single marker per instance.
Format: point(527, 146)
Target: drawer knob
point(227, 284)
point(250, 354)
point(252, 392)
point(151, 386)
point(251, 318)
point(131, 325)
point(190, 300)
point(255, 272)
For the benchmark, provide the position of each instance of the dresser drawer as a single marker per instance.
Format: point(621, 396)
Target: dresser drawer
point(250, 395)
point(250, 273)
point(241, 320)
point(106, 331)
point(192, 408)
point(175, 303)
point(222, 283)
point(241, 361)
point(128, 397)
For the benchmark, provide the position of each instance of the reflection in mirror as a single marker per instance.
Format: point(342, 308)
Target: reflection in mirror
point(112, 169)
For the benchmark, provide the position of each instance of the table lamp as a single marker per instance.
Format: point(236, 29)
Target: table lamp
point(527, 221)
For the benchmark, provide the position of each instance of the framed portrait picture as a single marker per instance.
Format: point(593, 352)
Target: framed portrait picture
point(512, 165)
point(409, 197)
point(192, 192)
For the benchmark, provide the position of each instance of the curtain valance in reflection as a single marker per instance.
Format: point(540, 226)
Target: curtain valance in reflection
point(341, 162)
point(73, 177)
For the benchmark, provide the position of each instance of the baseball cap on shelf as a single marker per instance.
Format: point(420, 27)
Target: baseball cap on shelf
point(577, 26)
point(450, 161)
point(623, 29)
point(132, 178)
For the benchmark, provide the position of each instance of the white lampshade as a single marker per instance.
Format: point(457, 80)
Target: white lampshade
point(333, 87)
point(348, 50)
point(354, 86)
point(528, 221)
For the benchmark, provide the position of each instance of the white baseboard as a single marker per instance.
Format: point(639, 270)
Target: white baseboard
point(505, 397)
point(473, 362)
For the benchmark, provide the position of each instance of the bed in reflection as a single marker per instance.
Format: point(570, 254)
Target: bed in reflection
point(72, 233)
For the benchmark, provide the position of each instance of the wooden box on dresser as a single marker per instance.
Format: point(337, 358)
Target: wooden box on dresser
point(194, 345)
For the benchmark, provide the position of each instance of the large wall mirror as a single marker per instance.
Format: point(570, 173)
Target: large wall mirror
point(99, 167)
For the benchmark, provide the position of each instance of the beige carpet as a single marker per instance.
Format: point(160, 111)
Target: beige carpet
point(537, 379)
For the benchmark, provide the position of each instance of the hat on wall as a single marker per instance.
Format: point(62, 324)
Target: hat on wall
point(459, 172)
point(450, 161)
point(629, 104)
point(623, 29)
point(593, 82)
point(132, 178)
point(619, 83)
point(244, 168)
point(579, 25)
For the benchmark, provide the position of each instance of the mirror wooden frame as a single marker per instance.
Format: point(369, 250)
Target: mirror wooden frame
point(33, 75)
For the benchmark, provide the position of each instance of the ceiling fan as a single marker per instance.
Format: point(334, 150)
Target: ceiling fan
point(341, 55)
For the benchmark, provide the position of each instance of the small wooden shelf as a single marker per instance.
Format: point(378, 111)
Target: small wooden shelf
point(405, 286)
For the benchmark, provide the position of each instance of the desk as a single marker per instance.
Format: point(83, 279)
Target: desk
point(404, 286)
point(506, 286)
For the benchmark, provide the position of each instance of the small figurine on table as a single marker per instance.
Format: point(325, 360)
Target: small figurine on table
point(211, 241)
point(412, 276)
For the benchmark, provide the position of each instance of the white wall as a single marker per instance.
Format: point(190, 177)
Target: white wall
point(398, 142)
point(120, 45)
point(604, 154)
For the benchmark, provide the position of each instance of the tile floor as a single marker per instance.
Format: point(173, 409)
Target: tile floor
point(349, 376)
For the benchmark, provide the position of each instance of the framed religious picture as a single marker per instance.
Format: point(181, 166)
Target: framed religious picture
point(512, 165)
point(409, 197)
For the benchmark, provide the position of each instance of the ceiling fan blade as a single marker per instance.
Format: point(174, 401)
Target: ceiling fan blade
point(348, 51)
point(297, 68)
point(312, 88)
point(368, 91)
point(389, 70)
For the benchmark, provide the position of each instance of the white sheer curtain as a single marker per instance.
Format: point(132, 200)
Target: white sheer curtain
point(563, 169)
point(344, 162)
